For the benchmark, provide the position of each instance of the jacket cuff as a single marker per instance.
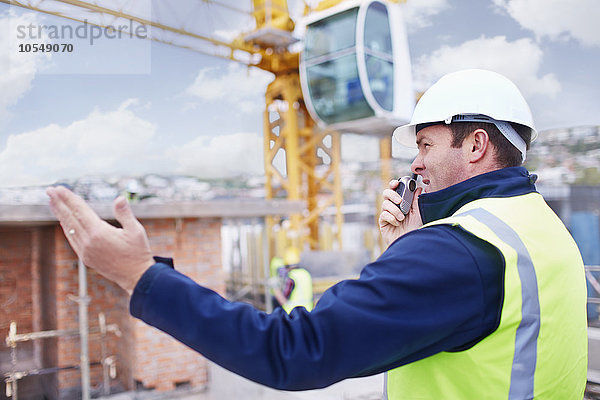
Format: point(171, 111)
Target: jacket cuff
point(144, 285)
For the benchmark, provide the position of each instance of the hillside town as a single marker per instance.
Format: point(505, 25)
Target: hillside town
point(568, 156)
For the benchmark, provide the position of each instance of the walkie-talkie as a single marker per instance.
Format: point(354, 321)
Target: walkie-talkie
point(406, 188)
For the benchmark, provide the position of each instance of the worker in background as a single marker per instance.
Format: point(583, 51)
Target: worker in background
point(294, 286)
point(480, 293)
point(274, 282)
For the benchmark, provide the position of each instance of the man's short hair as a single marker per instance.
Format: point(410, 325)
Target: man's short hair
point(507, 155)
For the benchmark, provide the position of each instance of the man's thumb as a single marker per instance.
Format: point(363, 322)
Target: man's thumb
point(123, 213)
point(415, 202)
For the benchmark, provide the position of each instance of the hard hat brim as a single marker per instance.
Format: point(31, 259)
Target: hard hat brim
point(406, 135)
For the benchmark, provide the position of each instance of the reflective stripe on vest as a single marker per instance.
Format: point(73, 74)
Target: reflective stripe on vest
point(302, 294)
point(539, 349)
point(523, 366)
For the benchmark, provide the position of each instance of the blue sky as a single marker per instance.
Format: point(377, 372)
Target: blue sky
point(132, 106)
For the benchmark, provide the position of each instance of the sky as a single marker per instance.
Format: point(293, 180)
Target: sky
point(112, 106)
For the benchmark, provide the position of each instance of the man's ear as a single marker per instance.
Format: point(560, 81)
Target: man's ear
point(478, 145)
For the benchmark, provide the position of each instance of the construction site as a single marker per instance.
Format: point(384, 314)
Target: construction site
point(67, 331)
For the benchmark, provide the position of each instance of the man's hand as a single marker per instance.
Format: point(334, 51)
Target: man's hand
point(121, 255)
point(392, 223)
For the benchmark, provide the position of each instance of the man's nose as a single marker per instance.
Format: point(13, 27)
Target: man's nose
point(417, 165)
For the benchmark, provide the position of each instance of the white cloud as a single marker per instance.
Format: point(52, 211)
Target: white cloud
point(219, 156)
point(418, 14)
point(557, 19)
point(18, 68)
point(102, 143)
point(119, 142)
point(520, 61)
point(238, 86)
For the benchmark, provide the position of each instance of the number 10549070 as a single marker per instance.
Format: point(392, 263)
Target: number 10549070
point(45, 48)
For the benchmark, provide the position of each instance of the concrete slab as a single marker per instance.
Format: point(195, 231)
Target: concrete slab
point(224, 385)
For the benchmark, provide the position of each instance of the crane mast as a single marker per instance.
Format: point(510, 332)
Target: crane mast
point(289, 129)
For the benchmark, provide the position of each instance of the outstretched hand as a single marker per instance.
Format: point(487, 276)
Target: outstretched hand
point(120, 254)
point(392, 222)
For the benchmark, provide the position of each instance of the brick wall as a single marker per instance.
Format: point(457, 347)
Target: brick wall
point(195, 244)
point(38, 284)
point(16, 300)
point(16, 303)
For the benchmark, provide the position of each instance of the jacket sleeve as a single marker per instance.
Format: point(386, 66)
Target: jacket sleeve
point(435, 289)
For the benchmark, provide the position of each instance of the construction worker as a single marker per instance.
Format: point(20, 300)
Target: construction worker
point(479, 294)
point(276, 264)
point(470, 124)
point(274, 281)
point(294, 287)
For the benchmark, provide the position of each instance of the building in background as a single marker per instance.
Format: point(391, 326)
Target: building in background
point(39, 283)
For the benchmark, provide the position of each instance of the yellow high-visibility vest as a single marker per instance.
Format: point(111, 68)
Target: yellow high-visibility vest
point(302, 294)
point(539, 350)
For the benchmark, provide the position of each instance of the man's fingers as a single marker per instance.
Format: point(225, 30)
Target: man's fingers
point(389, 194)
point(75, 216)
point(393, 184)
point(64, 214)
point(392, 209)
point(69, 204)
point(123, 213)
point(77, 205)
point(387, 218)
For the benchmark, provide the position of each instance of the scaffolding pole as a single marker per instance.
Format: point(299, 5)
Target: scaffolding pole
point(84, 358)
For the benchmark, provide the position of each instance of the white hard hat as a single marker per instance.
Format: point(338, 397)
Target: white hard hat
point(471, 92)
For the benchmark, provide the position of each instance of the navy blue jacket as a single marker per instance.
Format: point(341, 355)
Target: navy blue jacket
point(434, 289)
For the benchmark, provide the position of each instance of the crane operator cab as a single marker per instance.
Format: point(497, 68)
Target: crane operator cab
point(355, 67)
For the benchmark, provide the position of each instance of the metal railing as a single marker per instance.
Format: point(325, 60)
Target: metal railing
point(108, 362)
point(593, 281)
